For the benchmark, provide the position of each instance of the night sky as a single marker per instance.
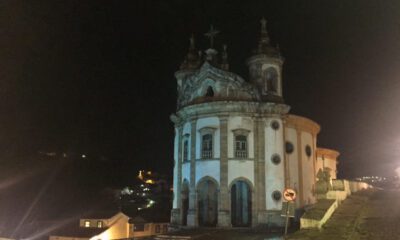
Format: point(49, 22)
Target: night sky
point(97, 78)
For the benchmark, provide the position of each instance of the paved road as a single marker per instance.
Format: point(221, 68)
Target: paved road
point(380, 218)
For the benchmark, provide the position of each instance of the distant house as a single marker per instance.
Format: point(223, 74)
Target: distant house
point(117, 226)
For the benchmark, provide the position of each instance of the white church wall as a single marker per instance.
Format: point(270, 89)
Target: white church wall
point(308, 168)
point(240, 123)
point(208, 122)
point(243, 169)
point(274, 174)
point(176, 182)
point(208, 168)
point(293, 164)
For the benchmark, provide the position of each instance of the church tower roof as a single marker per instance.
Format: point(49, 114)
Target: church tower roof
point(264, 45)
point(193, 59)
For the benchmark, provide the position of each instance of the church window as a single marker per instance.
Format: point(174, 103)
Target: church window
point(276, 159)
point(186, 150)
point(207, 146)
point(241, 146)
point(276, 195)
point(308, 151)
point(271, 79)
point(289, 147)
point(275, 125)
point(210, 92)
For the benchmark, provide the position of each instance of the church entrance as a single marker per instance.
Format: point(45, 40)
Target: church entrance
point(240, 204)
point(185, 201)
point(207, 203)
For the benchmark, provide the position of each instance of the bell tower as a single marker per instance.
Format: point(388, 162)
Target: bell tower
point(265, 67)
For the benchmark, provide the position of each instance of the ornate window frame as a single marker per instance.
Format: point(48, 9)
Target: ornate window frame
point(241, 154)
point(209, 153)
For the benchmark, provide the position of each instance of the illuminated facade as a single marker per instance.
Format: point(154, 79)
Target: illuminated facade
point(236, 146)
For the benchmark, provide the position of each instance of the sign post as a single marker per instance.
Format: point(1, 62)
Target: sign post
point(288, 207)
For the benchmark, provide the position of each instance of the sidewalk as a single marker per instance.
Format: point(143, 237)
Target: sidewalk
point(343, 222)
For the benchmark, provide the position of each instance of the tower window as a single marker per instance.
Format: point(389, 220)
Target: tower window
point(207, 146)
point(271, 80)
point(210, 92)
point(241, 146)
point(185, 150)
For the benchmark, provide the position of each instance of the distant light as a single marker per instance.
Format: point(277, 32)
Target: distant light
point(83, 156)
point(150, 181)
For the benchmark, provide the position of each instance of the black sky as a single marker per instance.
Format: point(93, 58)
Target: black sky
point(97, 77)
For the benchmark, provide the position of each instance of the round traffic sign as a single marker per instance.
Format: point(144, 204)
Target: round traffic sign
point(289, 194)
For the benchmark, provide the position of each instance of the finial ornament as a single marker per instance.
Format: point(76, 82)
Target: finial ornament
point(264, 34)
point(211, 35)
point(224, 62)
point(263, 25)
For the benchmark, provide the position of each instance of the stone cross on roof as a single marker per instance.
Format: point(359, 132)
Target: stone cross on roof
point(211, 35)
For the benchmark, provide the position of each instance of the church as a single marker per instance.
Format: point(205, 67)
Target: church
point(236, 147)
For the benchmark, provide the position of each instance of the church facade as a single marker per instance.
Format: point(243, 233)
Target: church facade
point(236, 146)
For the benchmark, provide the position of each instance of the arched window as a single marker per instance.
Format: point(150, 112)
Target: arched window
point(185, 150)
point(210, 92)
point(207, 146)
point(241, 146)
point(271, 80)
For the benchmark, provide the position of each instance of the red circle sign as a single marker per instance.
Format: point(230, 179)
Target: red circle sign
point(289, 194)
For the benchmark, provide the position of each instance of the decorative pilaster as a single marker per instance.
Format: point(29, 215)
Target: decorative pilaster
point(286, 157)
point(300, 165)
point(176, 213)
point(192, 219)
point(223, 199)
point(314, 159)
point(179, 163)
point(259, 213)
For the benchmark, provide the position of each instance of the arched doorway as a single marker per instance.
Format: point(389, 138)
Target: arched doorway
point(207, 203)
point(185, 201)
point(241, 204)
